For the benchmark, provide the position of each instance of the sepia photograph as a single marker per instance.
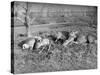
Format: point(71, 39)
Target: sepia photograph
point(48, 37)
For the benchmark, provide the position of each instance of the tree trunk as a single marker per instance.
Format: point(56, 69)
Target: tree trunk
point(28, 34)
point(27, 24)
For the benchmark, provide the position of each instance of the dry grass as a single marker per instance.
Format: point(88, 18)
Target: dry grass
point(73, 57)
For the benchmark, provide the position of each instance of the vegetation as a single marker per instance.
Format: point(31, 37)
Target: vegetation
point(58, 58)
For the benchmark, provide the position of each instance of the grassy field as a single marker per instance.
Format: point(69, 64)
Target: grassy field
point(73, 57)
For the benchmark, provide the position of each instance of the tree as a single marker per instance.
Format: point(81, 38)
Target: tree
point(27, 23)
point(21, 12)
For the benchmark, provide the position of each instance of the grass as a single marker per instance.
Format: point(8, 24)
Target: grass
point(73, 57)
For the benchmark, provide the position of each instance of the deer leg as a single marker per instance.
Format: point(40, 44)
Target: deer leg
point(49, 47)
point(56, 40)
point(66, 43)
point(42, 49)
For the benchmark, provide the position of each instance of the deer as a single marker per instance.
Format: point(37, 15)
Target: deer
point(30, 42)
point(45, 42)
point(71, 38)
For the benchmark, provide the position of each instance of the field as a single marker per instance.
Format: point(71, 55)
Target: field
point(73, 57)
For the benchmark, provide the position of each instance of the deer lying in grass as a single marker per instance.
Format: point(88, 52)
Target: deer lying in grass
point(48, 40)
point(45, 42)
point(81, 39)
point(86, 39)
point(29, 43)
point(91, 39)
point(71, 38)
point(61, 37)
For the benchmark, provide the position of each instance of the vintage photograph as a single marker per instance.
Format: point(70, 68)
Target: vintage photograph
point(49, 37)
